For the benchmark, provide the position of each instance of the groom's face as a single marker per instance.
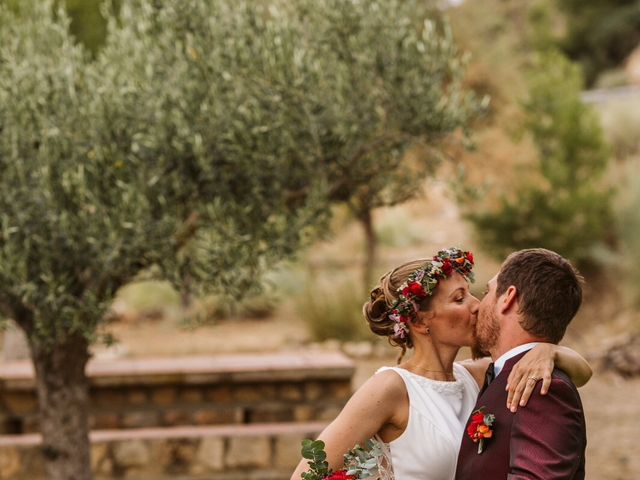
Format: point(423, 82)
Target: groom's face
point(487, 326)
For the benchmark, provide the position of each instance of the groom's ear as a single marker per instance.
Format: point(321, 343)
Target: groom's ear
point(509, 300)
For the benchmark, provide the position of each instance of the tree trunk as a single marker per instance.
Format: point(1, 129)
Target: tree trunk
point(371, 249)
point(14, 343)
point(63, 398)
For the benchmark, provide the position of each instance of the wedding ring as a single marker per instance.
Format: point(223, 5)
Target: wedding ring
point(535, 379)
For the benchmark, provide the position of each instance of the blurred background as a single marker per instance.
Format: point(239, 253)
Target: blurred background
point(536, 143)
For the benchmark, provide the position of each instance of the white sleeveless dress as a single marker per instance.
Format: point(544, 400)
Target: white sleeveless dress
point(438, 413)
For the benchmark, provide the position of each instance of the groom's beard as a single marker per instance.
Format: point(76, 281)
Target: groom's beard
point(486, 333)
point(477, 352)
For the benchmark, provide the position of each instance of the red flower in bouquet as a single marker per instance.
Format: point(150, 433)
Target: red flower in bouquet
point(340, 475)
point(359, 462)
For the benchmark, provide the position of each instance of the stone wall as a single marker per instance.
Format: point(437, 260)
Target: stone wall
point(248, 452)
point(192, 391)
point(215, 418)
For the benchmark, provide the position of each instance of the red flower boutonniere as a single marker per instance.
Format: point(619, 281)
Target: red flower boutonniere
point(480, 427)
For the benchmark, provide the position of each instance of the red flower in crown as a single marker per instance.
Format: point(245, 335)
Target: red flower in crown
point(447, 268)
point(421, 284)
point(416, 289)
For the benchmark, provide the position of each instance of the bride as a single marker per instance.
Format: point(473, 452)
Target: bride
point(420, 407)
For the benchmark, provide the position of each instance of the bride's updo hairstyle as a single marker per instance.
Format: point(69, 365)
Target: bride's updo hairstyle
point(407, 290)
point(376, 310)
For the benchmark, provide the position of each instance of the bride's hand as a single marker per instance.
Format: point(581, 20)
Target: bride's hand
point(537, 364)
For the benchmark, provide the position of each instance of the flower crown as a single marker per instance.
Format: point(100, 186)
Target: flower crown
point(422, 283)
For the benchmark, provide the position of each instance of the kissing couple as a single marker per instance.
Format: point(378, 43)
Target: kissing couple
point(514, 413)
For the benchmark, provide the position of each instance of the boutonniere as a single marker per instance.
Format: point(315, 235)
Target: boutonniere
point(480, 427)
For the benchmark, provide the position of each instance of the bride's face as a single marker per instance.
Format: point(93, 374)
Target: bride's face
point(453, 312)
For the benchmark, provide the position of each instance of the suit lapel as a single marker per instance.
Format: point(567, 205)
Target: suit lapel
point(490, 462)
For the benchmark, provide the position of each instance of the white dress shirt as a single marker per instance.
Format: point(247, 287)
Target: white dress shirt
point(499, 363)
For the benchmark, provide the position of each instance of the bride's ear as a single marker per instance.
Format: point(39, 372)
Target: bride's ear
point(422, 324)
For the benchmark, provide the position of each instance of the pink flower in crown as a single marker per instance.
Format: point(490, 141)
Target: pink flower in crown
point(416, 306)
point(400, 330)
point(395, 316)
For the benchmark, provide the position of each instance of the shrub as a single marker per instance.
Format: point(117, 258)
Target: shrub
point(621, 123)
point(629, 227)
point(560, 201)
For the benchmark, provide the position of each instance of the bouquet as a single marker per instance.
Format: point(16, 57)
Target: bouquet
point(369, 462)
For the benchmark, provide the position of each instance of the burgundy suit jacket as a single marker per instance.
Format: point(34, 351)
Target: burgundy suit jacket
point(545, 440)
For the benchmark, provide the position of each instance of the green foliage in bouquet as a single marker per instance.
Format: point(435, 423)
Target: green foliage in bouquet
point(359, 462)
point(363, 462)
point(313, 450)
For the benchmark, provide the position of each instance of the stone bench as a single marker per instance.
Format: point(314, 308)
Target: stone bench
point(230, 389)
point(227, 452)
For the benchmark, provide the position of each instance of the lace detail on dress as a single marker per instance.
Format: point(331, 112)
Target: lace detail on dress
point(446, 388)
point(385, 467)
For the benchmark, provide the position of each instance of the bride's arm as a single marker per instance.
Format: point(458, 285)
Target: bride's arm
point(477, 368)
point(378, 403)
point(539, 363)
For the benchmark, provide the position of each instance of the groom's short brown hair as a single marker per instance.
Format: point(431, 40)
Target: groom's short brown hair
point(548, 289)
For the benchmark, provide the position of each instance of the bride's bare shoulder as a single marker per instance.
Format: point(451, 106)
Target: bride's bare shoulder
point(386, 384)
point(477, 368)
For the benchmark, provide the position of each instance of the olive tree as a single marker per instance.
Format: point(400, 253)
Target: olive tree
point(111, 167)
point(388, 91)
point(206, 140)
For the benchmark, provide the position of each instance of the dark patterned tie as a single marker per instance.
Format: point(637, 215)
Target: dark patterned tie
point(489, 375)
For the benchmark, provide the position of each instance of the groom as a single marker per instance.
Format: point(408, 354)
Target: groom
point(532, 299)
